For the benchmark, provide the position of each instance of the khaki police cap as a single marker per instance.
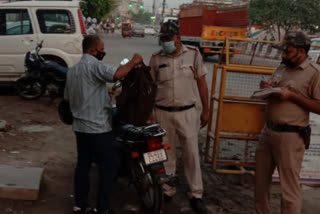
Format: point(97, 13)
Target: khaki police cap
point(294, 38)
point(169, 29)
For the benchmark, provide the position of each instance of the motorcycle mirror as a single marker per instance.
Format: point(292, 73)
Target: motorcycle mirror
point(124, 61)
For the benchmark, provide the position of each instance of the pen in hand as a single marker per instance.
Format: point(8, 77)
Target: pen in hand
point(265, 83)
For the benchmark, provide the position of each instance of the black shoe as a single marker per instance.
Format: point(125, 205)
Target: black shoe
point(102, 212)
point(79, 210)
point(167, 198)
point(198, 205)
point(106, 212)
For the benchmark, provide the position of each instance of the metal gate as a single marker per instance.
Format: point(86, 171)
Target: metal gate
point(235, 119)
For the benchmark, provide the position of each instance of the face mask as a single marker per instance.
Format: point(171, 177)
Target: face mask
point(168, 47)
point(289, 63)
point(100, 55)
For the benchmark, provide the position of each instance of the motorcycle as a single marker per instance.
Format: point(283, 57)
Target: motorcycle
point(41, 76)
point(142, 154)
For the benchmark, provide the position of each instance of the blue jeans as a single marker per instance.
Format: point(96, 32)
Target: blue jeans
point(101, 148)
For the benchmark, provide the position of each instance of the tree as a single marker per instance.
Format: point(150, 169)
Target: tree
point(97, 8)
point(286, 14)
point(142, 17)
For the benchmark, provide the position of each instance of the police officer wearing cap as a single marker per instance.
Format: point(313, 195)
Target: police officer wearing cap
point(179, 73)
point(287, 132)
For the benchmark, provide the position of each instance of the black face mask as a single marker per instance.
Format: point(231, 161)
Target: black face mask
point(100, 55)
point(289, 63)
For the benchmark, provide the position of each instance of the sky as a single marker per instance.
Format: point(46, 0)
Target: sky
point(170, 3)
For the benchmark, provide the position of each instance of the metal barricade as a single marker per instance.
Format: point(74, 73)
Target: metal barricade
point(236, 120)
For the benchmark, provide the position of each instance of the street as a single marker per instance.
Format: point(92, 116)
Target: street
point(118, 48)
point(51, 145)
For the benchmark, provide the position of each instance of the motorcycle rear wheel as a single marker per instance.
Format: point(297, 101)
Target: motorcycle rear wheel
point(28, 88)
point(149, 190)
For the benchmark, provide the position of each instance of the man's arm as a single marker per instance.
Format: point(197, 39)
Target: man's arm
point(200, 75)
point(204, 95)
point(123, 70)
point(306, 103)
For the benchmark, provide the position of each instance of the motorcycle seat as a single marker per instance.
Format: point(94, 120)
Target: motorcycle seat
point(131, 132)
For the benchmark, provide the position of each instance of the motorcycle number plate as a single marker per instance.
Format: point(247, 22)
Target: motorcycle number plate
point(155, 157)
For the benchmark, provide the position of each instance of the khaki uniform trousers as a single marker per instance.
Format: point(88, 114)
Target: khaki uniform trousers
point(285, 151)
point(182, 127)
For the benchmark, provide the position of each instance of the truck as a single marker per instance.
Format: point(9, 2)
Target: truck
point(207, 25)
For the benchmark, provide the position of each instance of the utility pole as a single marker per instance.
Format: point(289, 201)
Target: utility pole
point(154, 8)
point(163, 7)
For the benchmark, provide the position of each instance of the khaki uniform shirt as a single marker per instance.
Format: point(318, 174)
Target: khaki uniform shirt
point(176, 76)
point(304, 80)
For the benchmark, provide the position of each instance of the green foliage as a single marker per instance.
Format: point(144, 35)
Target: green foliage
point(286, 13)
point(97, 8)
point(142, 17)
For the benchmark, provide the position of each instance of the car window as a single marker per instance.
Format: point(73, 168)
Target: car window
point(138, 26)
point(56, 21)
point(15, 22)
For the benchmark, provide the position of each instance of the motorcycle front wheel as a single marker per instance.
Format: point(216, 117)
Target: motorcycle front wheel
point(149, 190)
point(28, 88)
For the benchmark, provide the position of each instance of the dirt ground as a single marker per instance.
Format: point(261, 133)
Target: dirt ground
point(51, 145)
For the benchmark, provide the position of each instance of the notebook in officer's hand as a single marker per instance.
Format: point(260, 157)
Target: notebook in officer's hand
point(265, 93)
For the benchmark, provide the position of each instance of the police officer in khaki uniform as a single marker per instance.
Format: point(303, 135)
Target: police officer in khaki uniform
point(179, 73)
point(287, 131)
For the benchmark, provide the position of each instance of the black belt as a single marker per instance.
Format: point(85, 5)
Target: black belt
point(285, 128)
point(175, 108)
point(304, 132)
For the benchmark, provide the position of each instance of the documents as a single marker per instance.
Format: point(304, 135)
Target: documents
point(265, 93)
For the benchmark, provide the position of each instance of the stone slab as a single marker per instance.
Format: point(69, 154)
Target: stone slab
point(21, 183)
point(310, 199)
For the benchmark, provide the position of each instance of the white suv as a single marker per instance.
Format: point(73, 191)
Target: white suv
point(24, 24)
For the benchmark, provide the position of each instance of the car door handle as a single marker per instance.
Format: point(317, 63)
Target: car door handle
point(27, 40)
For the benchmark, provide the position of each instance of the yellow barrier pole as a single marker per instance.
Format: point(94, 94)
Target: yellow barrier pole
point(246, 69)
point(234, 172)
point(251, 67)
point(211, 111)
point(227, 51)
point(251, 40)
point(217, 133)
